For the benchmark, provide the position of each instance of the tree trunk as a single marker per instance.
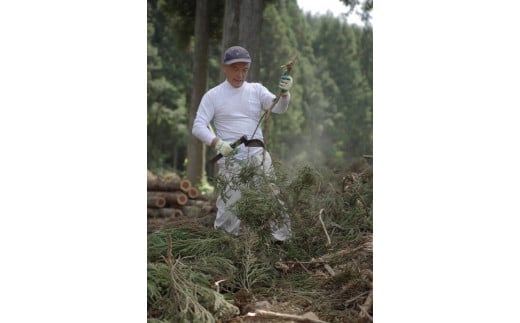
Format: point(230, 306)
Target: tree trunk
point(251, 18)
point(195, 167)
point(242, 23)
point(230, 28)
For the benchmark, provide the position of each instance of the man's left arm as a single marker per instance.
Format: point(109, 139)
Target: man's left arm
point(284, 85)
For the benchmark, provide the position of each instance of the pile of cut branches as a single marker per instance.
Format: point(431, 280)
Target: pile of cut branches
point(324, 270)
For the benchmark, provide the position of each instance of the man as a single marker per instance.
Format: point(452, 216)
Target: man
point(235, 106)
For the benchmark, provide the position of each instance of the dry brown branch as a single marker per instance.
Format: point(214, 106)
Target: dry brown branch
point(313, 261)
point(344, 185)
point(367, 305)
point(304, 268)
point(329, 269)
point(356, 297)
point(289, 265)
point(324, 228)
point(282, 316)
point(364, 313)
point(366, 246)
point(217, 284)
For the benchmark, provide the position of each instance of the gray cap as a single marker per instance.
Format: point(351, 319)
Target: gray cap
point(236, 54)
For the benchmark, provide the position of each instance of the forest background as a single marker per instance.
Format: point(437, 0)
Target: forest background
point(329, 122)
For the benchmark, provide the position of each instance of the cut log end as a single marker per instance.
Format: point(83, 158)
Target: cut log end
point(193, 193)
point(185, 185)
point(176, 198)
point(177, 213)
point(182, 199)
point(164, 213)
point(156, 201)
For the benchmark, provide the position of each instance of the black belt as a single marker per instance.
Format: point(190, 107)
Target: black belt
point(242, 140)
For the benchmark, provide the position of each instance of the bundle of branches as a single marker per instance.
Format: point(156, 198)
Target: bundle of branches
point(189, 240)
point(327, 214)
point(253, 267)
point(261, 205)
point(305, 196)
point(206, 256)
point(179, 294)
point(357, 186)
point(328, 259)
point(319, 201)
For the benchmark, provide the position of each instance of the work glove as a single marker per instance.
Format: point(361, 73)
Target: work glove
point(285, 84)
point(224, 148)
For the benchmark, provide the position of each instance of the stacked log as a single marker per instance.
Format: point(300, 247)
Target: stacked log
point(172, 198)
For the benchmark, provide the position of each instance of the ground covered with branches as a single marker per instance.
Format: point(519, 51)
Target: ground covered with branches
point(323, 273)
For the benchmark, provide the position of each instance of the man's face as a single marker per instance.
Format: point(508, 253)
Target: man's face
point(236, 73)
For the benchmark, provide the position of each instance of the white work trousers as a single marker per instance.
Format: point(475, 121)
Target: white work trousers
point(226, 219)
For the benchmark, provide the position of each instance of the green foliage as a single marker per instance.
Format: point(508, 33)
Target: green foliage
point(183, 14)
point(257, 188)
point(363, 8)
point(179, 290)
point(300, 193)
point(201, 256)
point(187, 242)
point(253, 269)
point(157, 321)
point(350, 107)
point(158, 282)
point(168, 86)
point(330, 116)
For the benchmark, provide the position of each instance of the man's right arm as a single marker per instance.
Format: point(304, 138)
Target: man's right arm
point(201, 129)
point(201, 123)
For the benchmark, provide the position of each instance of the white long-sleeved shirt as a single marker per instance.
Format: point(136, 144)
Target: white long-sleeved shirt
point(235, 112)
